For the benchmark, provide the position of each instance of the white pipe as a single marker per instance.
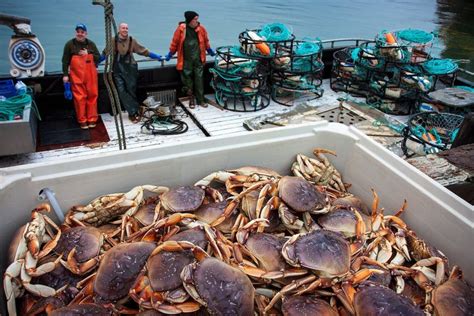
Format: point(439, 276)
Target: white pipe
point(48, 194)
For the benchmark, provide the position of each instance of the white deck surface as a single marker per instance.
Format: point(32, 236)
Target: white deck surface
point(214, 120)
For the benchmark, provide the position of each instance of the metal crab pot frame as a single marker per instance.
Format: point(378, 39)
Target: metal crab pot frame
point(346, 76)
point(447, 79)
point(300, 75)
point(291, 97)
point(380, 59)
point(240, 94)
point(418, 48)
point(445, 126)
point(250, 46)
point(239, 81)
point(231, 61)
point(402, 106)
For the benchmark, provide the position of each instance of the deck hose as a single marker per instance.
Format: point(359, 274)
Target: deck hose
point(164, 125)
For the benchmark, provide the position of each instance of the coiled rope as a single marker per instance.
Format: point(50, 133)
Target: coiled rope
point(440, 66)
point(415, 36)
point(13, 108)
point(108, 75)
point(307, 48)
point(275, 32)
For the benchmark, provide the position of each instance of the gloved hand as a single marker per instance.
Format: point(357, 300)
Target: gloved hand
point(155, 56)
point(168, 56)
point(101, 58)
point(67, 91)
point(211, 52)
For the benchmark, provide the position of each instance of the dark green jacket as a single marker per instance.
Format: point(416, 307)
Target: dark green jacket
point(73, 47)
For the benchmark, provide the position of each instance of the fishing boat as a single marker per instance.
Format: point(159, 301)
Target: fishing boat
point(67, 166)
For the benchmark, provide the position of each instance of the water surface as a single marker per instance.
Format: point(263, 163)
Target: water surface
point(153, 22)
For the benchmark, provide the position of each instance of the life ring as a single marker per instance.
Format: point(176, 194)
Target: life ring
point(262, 47)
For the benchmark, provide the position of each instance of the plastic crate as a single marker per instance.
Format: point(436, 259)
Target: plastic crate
point(435, 213)
point(7, 88)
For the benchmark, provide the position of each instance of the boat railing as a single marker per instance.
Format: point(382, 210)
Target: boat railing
point(338, 42)
point(330, 43)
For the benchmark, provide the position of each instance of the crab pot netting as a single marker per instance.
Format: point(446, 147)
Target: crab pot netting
point(432, 129)
point(419, 43)
point(255, 45)
point(346, 76)
point(403, 106)
point(298, 74)
point(291, 97)
point(444, 70)
point(239, 81)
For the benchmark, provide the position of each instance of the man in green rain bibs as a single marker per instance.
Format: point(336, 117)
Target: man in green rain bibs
point(126, 70)
point(191, 42)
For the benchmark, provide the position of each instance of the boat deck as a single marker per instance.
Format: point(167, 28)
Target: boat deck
point(215, 121)
point(202, 122)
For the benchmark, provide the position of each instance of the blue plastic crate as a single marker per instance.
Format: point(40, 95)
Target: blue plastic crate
point(7, 88)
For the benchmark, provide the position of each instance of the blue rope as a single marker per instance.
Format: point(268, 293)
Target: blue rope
point(415, 36)
point(12, 108)
point(307, 48)
point(440, 66)
point(275, 32)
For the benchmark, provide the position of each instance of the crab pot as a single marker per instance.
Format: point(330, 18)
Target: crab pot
point(419, 43)
point(239, 81)
point(297, 77)
point(240, 94)
point(436, 214)
point(264, 48)
point(346, 76)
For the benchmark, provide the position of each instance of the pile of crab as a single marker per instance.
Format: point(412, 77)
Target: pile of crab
point(239, 242)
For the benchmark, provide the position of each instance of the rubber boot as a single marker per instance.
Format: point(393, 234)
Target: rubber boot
point(192, 102)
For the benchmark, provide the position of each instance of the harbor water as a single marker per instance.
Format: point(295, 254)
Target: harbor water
point(153, 22)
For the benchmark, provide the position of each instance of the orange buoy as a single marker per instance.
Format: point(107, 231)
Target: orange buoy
point(390, 38)
point(262, 47)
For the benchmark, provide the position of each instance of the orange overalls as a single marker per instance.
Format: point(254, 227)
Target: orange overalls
point(83, 77)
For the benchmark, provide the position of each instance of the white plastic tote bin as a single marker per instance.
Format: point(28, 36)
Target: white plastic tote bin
point(436, 214)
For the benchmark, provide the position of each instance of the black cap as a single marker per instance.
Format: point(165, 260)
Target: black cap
point(189, 15)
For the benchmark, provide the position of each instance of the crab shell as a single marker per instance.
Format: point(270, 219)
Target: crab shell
point(261, 171)
point(342, 220)
point(194, 235)
point(420, 249)
point(323, 251)
point(304, 305)
point(453, 297)
point(58, 278)
point(383, 278)
point(81, 309)
point(86, 239)
point(352, 201)
point(210, 212)
point(380, 300)
point(222, 289)
point(119, 269)
point(165, 267)
point(14, 251)
point(267, 249)
point(300, 195)
point(146, 213)
point(183, 199)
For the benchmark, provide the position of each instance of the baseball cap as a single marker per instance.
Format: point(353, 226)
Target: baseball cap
point(81, 26)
